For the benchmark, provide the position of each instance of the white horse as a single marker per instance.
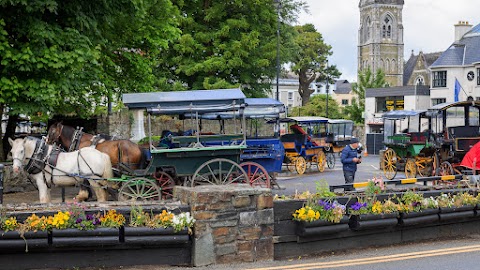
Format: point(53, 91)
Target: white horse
point(48, 166)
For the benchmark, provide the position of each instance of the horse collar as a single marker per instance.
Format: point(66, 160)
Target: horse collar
point(36, 163)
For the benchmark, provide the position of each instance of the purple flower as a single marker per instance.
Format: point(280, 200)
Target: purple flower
point(357, 206)
point(79, 220)
point(325, 205)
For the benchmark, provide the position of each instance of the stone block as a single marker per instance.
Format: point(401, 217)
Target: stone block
point(203, 250)
point(229, 248)
point(265, 216)
point(264, 249)
point(244, 246)
point(204, 215)
point(264, 201)
point(249, 233)
point(241, 201)
point(248, 218)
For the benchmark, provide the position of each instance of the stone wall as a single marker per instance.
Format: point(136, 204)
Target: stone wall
point(234, 223)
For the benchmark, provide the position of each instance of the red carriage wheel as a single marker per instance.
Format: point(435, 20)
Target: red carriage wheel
point(257, 175)
point(166, 184)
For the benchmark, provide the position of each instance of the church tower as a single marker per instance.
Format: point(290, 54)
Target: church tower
point(380, 38)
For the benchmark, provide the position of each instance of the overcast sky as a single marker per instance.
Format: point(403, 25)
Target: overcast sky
point(428, 26)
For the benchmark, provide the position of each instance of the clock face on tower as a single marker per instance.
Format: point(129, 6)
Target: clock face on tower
point(470, 75)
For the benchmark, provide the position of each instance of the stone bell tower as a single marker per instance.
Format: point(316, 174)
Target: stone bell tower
point(380, 38)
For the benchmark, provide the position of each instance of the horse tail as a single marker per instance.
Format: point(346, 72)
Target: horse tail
point(107, 169)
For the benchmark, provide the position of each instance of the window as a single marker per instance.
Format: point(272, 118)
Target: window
point(344, 101)
point(439, 79)
point(387, 27)
point(436, 101)
point(369, 25)
point(385, 104)
point(419, 80)
point(478, 76)
point(290, 95)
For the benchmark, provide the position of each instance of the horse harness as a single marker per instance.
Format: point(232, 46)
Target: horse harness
point(42, 158)
point(76, 139)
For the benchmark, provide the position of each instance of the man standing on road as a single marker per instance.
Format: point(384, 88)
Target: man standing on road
point(350, 160)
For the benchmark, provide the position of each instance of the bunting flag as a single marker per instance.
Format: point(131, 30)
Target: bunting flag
point(456, 90)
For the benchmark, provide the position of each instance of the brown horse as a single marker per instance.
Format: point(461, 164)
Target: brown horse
point(123, 154)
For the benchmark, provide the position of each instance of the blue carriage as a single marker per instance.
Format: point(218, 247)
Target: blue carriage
point(263, 156)
point(301, 149)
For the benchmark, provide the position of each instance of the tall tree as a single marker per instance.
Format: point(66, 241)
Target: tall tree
point(310, 61)
point(366, 79)
point(69, 56)
point(230, 43)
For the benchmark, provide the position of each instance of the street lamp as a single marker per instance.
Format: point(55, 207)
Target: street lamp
point(326, 90)
point(278, 5)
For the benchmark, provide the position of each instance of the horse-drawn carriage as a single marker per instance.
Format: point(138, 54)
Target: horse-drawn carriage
point(197, 159)
point(408, 144)
point(301, 150)
point(262, 158)
point(190, 160)
point(443, 135)
point(456, 126)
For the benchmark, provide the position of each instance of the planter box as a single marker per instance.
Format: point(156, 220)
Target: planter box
point(457, 213)
point(74, 238)
point(371, 221)
point(154, 236)
point(424, 217)
point(11, 241)
point(321, 227)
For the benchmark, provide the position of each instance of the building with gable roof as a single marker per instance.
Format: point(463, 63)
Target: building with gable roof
point(460, 62)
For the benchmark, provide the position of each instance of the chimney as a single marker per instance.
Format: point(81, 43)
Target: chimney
point(461, 28)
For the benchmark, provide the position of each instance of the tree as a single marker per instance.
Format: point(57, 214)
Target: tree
point(310, 61)
point(366, 79)
point(70, 56)
point(317, 107)
point(228, 44)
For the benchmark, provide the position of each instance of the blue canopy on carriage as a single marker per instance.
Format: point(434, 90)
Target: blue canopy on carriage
point(181, 102)
point(401, 114)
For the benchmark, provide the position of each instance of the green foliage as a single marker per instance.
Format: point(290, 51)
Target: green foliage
point(366, 79)
point(226, 44)
point(68, 56)
point(310, 60)
point(318, 107)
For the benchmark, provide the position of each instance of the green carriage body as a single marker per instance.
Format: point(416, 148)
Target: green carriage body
point(408, 142)
point(185, 161)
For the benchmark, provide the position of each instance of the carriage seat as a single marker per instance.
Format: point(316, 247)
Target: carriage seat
point(418, 137)
point(293, 142)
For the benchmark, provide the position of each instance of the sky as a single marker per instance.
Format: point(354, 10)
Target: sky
point(428, 27)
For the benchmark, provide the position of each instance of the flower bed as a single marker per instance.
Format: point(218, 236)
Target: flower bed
point(368, 211)
point(75, 228)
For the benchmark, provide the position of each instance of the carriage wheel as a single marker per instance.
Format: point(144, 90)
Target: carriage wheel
point(321, 160)
point(291, 163)
point(330, 160)
point(410, 169)
point(139, 189)
point(257, 174)
point(219, 171)
point(166, 184)
point(389, 164)
point(300, 165)
point(446, 168)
